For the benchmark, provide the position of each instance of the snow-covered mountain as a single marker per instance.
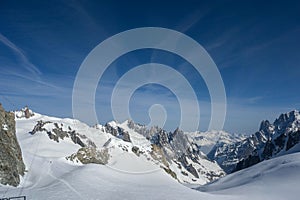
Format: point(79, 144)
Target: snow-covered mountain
point(212, 139)
point(126, 147)
point(67, 159)
point(271, 140)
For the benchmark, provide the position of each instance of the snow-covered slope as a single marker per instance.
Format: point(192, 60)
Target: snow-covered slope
point(276, 178)
point(62, 180)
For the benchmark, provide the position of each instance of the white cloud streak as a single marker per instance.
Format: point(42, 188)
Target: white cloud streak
point(25, 61)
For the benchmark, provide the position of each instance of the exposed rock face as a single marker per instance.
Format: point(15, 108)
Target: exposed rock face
point(76, 139)
point(88, 155)
point(136, 150)
point(269, 141)
point(117, 132)
point(11, 162)
point(27, 113)
point(24, 113)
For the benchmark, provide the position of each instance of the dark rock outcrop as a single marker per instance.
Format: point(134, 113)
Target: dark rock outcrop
point(76, 139)
point(39, 127)
point(117, 132)
point(27, 113)
point(136, 150)
point(192, 170)
point(11, 162)
point(247, 162)
point(57, 133)
point(293, 139)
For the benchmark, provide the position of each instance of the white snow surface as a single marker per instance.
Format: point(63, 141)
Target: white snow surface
point(277, 178)
point(4, 127)
point(50, 176)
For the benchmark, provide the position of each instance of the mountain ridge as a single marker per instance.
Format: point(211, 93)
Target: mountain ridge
point(111, 144)
point(270, 140)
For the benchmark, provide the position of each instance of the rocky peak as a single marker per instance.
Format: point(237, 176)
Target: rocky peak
point(131, 124)
point(24, 113)
point(286, 119)
point(141, 129)
point(264, 125)
point(176, 132)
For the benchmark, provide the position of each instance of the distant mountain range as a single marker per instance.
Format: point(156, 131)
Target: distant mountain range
point(211, 139)
point(271, 140)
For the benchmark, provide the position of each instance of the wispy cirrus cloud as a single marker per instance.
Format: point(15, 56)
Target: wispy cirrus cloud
point(30, 67)
point(192, 19)
point(31, 73)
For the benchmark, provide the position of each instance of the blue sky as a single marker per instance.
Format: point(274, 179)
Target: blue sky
point(255, 45)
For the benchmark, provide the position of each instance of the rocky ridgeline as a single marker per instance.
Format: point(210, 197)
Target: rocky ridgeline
point(117, 132)
point(57, 133)
point(11, 162)
point(271, 140)
point(88, 151)
point(168, 147)
point(173, 151)
point(88, 155)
